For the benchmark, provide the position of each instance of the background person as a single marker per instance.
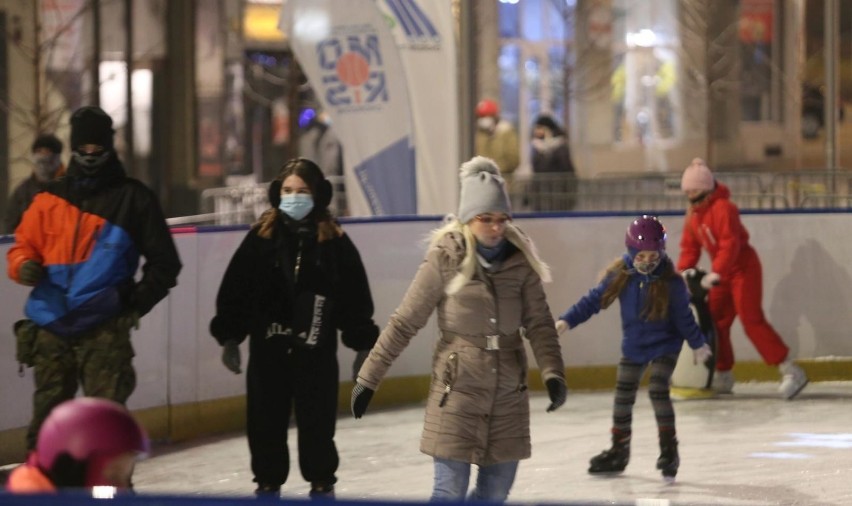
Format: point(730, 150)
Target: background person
point(554, 182)
point(295, 279)
point(655, 320)
point(483, 276)
point(735, 282)
point(46, 157)
point(496, 138)
point(83, 443)
point(78, 245)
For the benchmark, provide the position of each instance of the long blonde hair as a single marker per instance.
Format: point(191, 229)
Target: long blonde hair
point(657, 303)
point(467, 267)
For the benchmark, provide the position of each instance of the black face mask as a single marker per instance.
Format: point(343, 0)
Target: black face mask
point(91, 163)
point(698, 198)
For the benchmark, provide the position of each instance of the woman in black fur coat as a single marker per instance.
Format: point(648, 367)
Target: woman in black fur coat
point(294, 281)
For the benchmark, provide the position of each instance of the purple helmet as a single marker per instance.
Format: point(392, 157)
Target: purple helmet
point(646, 233)
point(87, 428)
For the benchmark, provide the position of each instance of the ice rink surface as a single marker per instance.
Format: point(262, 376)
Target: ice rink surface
point(749, 448)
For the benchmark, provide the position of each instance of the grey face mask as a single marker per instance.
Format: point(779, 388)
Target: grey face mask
point(91, 163)
point(46, 166)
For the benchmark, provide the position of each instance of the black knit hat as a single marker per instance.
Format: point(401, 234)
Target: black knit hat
point(91, 125)
point(313, 177)
point(47, 141)
point(547, 121)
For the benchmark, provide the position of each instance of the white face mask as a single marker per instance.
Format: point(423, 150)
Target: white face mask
point(486, 123)
point(46, 166)
point(646, 267)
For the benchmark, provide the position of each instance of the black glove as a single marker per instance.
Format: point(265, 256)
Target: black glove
point(231, 356)
point(361, 396)
point(557, 391)
point(360, 357)
point(30, 273)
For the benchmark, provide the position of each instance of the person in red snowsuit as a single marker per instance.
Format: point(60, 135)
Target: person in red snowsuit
point(735, 280)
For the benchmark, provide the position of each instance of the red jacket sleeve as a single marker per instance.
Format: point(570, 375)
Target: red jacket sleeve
point(728, 231)
point(690, 245)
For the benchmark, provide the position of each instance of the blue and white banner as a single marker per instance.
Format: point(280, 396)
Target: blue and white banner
point(348, 53)
point(424, 33)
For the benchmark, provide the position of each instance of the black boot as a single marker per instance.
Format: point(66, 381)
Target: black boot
point(267, 490)
point(669, 459)
point(613, 460)
point(321, 490)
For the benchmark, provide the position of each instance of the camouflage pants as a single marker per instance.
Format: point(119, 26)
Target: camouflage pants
point(99, 361)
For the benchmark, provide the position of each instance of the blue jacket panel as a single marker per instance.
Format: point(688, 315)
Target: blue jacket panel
point(644, 340)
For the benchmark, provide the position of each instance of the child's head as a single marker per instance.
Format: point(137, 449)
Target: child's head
point(646, 242)
point(87, 442)
point(697, 181)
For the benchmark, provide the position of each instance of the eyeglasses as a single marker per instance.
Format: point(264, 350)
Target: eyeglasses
point(492, 220)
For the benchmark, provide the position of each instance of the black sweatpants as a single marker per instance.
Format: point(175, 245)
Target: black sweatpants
point(281, 379)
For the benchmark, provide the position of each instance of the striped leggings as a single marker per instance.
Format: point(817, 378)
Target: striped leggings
point(629, 374)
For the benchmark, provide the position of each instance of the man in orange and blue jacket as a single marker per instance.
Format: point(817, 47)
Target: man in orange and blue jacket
point(78, 245)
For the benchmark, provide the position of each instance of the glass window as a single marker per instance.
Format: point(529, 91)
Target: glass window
point(760, 60)
point(644, 80)
point(510, 85)
point(509, 20)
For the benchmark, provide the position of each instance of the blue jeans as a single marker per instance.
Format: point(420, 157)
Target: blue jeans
point(492, 483)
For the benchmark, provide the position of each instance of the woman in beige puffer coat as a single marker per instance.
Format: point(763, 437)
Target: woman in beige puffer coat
point(483, 276)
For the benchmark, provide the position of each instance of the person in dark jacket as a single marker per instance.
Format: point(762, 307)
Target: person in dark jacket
point(46, 153)
point(79, 245)
point(293, 282)
point(554, 181)
point(655, 321)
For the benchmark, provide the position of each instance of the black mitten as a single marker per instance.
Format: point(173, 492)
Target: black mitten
point(557, 391)
point(361, 396)
point(30, 273)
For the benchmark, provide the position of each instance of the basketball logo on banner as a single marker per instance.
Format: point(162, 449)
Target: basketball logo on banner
point(353, 76)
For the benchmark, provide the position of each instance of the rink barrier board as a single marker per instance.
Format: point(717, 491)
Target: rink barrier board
point(191, 395)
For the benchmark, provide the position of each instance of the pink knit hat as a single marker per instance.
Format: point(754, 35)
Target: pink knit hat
point(697, 177)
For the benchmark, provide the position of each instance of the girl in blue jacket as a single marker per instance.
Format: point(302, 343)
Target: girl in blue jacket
point(655, 320)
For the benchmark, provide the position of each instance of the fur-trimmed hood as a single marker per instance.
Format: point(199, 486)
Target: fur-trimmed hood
point(458, 240)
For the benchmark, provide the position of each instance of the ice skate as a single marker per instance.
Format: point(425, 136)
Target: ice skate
point(267, 490)
point(321, 491)
point(611, 461)
point(793, 379)
point(669, 459)
point(723, 382)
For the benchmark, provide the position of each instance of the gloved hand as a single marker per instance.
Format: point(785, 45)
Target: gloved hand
point(360, 357)
point(561, 326)
point(231, 356)
point(688, 273)
point(128, 320)
point(557, 391)
point(701, 355)
point(361, 396)
point(710, 280)
point(30, 273)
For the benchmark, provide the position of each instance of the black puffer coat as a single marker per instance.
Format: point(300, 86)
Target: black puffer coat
point(266, 278)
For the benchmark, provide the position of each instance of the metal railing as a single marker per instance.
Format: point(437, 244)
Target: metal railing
point(805, 189)
point(236, 205)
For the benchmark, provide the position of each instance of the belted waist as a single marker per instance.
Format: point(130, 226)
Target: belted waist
point(487, 342)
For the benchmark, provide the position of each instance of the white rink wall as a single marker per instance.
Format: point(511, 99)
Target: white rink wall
point(807, 296)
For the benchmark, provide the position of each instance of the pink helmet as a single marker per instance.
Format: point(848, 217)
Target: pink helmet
point(646, 233)
point(88, 429)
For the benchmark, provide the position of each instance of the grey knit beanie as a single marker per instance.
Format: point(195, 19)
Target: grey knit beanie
point(483, 189)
